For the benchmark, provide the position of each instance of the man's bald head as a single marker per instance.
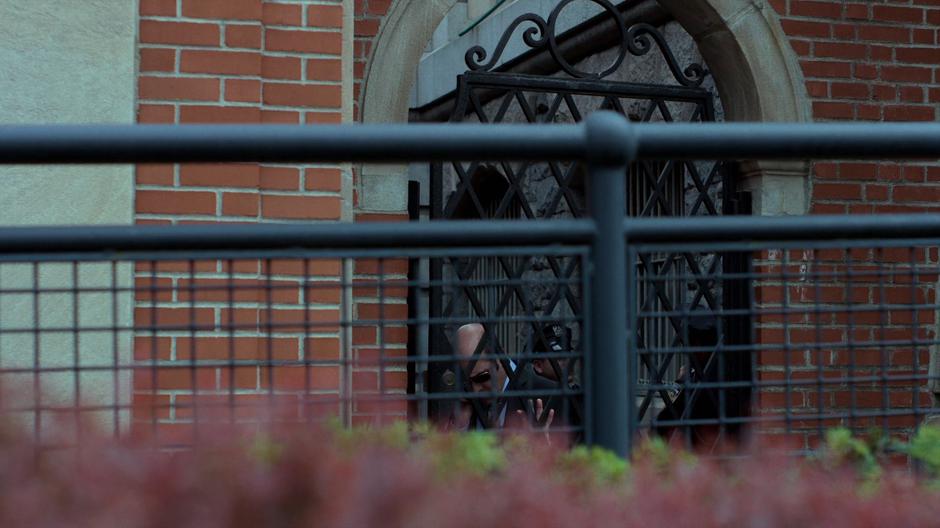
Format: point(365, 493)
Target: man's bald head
point(468, 338)
point(485, 372)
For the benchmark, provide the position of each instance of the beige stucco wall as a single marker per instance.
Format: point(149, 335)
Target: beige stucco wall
point(66, 61)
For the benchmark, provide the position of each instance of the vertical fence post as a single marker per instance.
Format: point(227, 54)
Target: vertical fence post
point(610, 147)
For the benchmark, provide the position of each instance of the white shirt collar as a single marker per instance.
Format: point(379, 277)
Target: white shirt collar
point(502, 413)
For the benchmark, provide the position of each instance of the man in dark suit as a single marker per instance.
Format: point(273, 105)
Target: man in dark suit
point(550, 345)
point(495, 379)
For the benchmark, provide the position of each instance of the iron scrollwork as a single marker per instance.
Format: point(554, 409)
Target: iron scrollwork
point(542, 34)
point(535, 37)
point(638, 42)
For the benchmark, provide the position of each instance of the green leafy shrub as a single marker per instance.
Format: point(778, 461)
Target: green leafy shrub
point(925, 448)
point(592, 466)
point(473, 453)
point(843, 448)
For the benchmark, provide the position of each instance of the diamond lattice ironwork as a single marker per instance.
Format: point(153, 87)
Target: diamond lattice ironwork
point(668, 283)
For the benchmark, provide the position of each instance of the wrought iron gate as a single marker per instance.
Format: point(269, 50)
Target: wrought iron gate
point(675, 308)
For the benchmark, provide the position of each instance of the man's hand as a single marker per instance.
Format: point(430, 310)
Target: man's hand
point(540, 417)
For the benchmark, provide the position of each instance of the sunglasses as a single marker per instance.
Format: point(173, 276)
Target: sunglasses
point(481, 377)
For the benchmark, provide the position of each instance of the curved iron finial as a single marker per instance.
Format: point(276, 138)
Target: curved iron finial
point(571, 70)
point(534, 37)
point(638, 41)
point(542, 35)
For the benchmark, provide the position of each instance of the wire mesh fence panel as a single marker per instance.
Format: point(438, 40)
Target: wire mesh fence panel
point(835, 334)
point(164, 348)
point(161, 349)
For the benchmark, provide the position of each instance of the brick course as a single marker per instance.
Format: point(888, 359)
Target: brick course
point(236, 62)
point(863, 61)
point(884, 69)
point(212, 62)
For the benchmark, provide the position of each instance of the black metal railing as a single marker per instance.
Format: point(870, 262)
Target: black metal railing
point(158, 331)
point(841, 322)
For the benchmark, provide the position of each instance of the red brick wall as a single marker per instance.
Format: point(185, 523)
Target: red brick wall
point(843, 329)
point(239, 61)
point(253, 62)
point(376, 348)
point(379, 337)
point(869, 61)
point(863, 61)
point(369, 15)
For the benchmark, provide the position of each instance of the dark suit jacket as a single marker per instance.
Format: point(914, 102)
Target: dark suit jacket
point(527, 380)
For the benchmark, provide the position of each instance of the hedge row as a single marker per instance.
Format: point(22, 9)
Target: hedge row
point(398, 477)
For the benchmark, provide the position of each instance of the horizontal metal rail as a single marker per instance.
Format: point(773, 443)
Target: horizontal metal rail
point(279, 143)
point(48, 144)
point(222, 237)
point(789, 228)
point(712, 141)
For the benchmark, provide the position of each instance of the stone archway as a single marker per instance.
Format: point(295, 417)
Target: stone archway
point(759, 78)
point(756, 71)
point(397, 49)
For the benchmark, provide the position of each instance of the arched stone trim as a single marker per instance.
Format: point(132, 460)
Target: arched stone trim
point(396, 52)
point(390, 73)
point(756, 72)
point(759, 79)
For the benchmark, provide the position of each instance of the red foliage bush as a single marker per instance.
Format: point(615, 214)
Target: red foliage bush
point(326, 479)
